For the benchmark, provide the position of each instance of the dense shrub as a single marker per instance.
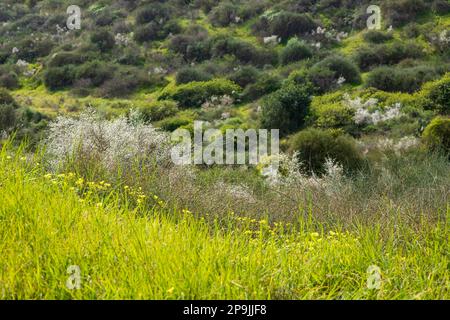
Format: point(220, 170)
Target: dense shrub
point(287, 24)
point(224, 14)
point(189, 74)
point(194, 94)
point(375, 36)
point(398, 79)
point(173, 123)
point(159, 110)
point(154, 31)
point(8, 117)
point(9, 80)
point(286, 108)
point(437, 95)
point(245, 76)
point(6, 98)
point(265, 84)
point(399, 12)
point(96, 71)
point(440, 7)
point(437, 134)
point(64, 58)
point(30, 49)
point(245, 52)
point(59, 77)
point(386, 54)
point(295, 50)
point(315, 146)
point(104, 40)
point(156, 12)
point(325, 74)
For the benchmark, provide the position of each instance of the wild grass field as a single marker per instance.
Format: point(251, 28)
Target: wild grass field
point(93, 206)
point(131, 252)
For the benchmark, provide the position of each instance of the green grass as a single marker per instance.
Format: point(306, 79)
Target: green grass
point(154, 252)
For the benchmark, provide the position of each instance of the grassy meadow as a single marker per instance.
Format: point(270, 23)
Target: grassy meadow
point(125, 251)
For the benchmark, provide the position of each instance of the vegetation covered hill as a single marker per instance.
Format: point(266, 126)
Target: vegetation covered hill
point(364, 176)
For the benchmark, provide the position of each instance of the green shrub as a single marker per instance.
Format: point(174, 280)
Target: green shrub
point(245, 76)
point(386, 54)
point(59, 77)
point(159, 110)
point(30, 49)
point(266, 83)
point(289, 24)
point(375, 36)
point(9, 80)
point(104, 40)
point(189, 74)
point(8, 117)
point(332, 115)
point(295, 50)
point(224, 14)
point(6, 98)
point(173, 123)
point(64, 58)
point(399, 12)
point(194, 94)
point(437, 134)
point(156, 12)
point(286, 108)
point(244, 51)
point(441, 7)
point(397, 79)
point(314, 146)
point(325, 74)
point(96, 71)
point(437, 95)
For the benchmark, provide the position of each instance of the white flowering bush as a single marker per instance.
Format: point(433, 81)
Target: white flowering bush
point(368, 112)
point(111, 143)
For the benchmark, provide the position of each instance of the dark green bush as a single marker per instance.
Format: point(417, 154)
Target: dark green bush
point(288, 24)
point(6, 98)
point(30, 49)
point(194, 94)
point(375, 36)
point(103, 39)
point(156, 12)
point(96, 71)
point(325, 74)
point(265, 84)
point(59, 77)
point(295, 50)
point(441, 7)
point(386, 54)
point(286, 108)
point(245, 52)
point(224, 14)
point(245, 76)
point(9, 80)
point(314, 146)
point(154, 31)
point(189, 74)
point(8, 117)
point(64, 58)
point(400, 80)
point(399, 12)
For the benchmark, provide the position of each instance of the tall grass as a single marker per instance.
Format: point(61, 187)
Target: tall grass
point(131, 249)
